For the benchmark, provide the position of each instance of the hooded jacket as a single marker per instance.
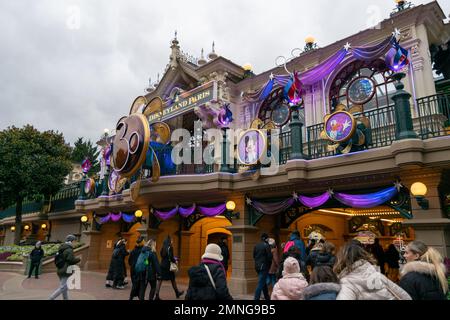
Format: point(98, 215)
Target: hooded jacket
point(300, 245)
point(417, 278)
point(69, 258)
point(364, 282)
point(322, 291)
point(200, 286)
point(291, 286)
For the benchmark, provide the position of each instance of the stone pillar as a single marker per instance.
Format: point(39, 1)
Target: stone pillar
point(243, 278)
point(93, 239)
point(430, 226)
point(186, 259)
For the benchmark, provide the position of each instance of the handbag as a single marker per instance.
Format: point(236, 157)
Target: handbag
point(173, 265)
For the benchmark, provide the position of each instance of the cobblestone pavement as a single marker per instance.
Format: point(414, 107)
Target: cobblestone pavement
point(14, 286)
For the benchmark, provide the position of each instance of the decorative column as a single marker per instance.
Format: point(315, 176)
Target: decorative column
point(225, 167)
point(105, 188)
point(243, 278)
point(82, 195)
point(403, 120)
point(296, 135)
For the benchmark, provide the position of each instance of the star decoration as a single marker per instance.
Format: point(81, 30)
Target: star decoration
point(271, 76)
point(330, 191)
point(396, 33)
point(295, 195)
point(398, 185)
point(347, 46)
point(248, 201)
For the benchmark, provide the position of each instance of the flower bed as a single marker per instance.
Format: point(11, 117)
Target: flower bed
point(17, 253)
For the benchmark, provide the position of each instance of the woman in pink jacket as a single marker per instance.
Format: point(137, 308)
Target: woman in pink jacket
point(291, 286)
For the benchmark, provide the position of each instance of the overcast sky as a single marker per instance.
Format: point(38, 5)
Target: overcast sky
point(76, 66)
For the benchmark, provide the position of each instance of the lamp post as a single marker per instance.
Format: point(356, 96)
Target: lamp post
point(310, 44)
point(138, 214)
point(403, 118)
point(85, 221)
point(296, 134)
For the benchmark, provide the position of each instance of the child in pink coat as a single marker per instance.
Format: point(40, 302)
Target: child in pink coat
point(291, 286)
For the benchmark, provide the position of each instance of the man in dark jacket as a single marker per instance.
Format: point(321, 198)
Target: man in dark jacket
point(36, 256)
point(134, 255)
point(378, 253)
point(68, 259)
point(212, 286)
point(225, 252)
point(263, 260)
point(118, 264)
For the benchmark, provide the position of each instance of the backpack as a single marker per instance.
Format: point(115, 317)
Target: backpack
point(60, 261)
point(288, 245)
point(142, 262)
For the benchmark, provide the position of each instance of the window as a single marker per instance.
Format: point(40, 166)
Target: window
point(375, 73)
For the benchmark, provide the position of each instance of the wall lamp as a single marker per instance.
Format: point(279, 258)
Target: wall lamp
point(138, 214)
point(419, 191)
point(44, 226)
point(13, 228)
point(230, 214)
point(85, 221)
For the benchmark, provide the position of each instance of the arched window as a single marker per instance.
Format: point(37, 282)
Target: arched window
point(362, 83)
point(275, 109)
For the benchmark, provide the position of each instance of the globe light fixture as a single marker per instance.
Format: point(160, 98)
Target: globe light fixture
point(419, 191)
point(44, 226)
point(231, 205)
point(13, 228)
point(84, 219)
point(26, 227)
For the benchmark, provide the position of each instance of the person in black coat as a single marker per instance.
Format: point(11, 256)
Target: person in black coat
point(424, 275)
point(132, 259)
point(392, 258)
point(110, 274)
point(167, 257)
point(204, 287)
point(225, 252)
point(36, 256)
point(262, 255)
point(377, 251)
point(118, 264)
point(153, 271)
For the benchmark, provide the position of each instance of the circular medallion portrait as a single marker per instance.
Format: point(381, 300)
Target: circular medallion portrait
point(361, 90)
point(251, 147)
point(280, 114)
point(340, 126)
point(138, 105)
point(130, 144)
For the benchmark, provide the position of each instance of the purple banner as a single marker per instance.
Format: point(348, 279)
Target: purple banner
point(373, 52)
point(319, 72)
point(274, 207)
point(128, 217)
point(186, 212)
point(165, 215)
point(212, 212)
point(366, 201)
point(314, 202)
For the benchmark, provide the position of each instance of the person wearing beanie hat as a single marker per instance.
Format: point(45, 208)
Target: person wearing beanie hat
point(36, 256)
point(134, 255)
point(208, 281)
point(291, 286)
point(64, 258)
point(263, 261)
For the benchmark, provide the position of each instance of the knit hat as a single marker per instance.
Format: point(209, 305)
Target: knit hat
point(71, 238)
point(213, 251)
point(291, 266)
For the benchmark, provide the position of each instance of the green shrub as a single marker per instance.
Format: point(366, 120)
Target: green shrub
point(18, 252)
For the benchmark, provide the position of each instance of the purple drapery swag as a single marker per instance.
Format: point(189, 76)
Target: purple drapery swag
point(366, 201)
point(360, 201)
point(186, 212)
point(116, 217)
point(316, 74)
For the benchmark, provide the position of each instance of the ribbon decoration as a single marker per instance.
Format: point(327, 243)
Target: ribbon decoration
point(186, 212)
point(86, 165)
point(397, 57)
point(360, 201)
point(115, 217)
point(321, 71)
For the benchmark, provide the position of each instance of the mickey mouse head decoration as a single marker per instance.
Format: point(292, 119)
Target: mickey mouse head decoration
point(130, 144)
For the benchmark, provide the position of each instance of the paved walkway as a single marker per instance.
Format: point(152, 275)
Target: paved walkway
point(14, 286)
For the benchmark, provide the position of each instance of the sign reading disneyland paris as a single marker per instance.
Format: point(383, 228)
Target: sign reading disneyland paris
point(187, 101)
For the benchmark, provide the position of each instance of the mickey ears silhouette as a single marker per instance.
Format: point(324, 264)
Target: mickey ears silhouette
point(142, 105)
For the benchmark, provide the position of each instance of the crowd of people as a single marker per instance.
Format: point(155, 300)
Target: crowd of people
point(296, 272)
